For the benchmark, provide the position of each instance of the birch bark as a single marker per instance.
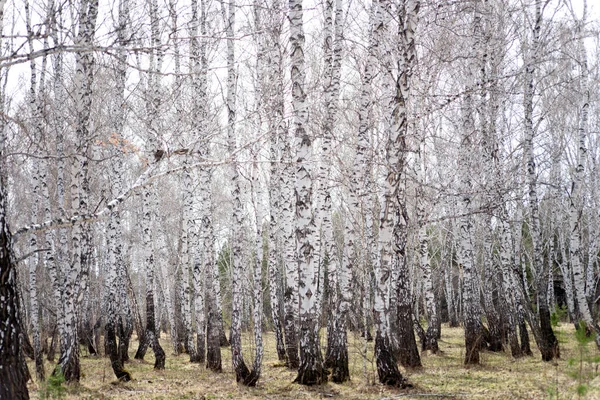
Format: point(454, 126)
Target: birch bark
point(291, 298)
point(242, 373)
point(58, 123)
point(115, 238)
point(149, 195)
point(470, 296)
point(337, 348)
point(273, 93)
point(392, 226)
point(310, 371)
point(576, 195)
point(68, 363)
point(199, 87)
point(13, 369)
point(387, 369)
point(213, 355)
point(432, 332)
point(35, 192)
point(547, 342)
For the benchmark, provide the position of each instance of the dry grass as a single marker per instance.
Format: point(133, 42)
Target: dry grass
point(442, 376)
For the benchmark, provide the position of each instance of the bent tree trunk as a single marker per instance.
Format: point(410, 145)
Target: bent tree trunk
point(13, 369)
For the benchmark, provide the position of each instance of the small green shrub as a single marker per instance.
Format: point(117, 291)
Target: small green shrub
point(557, 315)
point(53, 388)
point(580, 372)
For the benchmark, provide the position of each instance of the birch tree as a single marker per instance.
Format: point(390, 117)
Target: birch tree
point(337, 349)
point(288, 206)
point(114, 229)
point(547, 342)
point(432, 334)
point(576, 195)
point(242, 373)
point(310, 371)
point(273, 95)
point(13, 369)
point(35, 192)
point(471, 315)
point(387, 369)
point(68, 363)
point(199, 82)
point(149, 201)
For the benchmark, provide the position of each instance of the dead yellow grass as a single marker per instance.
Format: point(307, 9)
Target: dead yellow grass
point(442, 376)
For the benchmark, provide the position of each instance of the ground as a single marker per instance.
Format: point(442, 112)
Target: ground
point(442, 377)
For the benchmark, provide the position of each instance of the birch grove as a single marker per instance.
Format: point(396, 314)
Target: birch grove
point(304, 182)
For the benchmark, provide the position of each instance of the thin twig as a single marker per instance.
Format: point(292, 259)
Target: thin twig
point(26, 256)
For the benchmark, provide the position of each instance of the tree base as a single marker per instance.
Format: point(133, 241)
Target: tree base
point(337, 357)
point(431, 340)
point(292, 361)
point(549, 344)
point(160, 357)
point(387, 369)
point(311, 377)
point(515, 349)
point(245, 376)
point(525, 345)
point(213, 360)
point(124, 376)
point(340, 372)
point(70, 368)
point(223, 338)
point(13, 382)
point(142, 348)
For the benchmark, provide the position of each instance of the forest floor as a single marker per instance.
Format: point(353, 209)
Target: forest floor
point(443, 376)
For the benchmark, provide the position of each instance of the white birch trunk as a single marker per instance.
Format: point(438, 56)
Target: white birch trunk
point(35, 193)
point(507, 286)
point(576, 195)
point(271, 74)
point(424, 263)
point(199, 82)
point(213, 355)
point(257, 312)
point(337, 351)
point(567, 278)
point(187, 234)
point(311, 370)
point(386, 364)
point(470, 297)
point(241, 370)
point(114, 279)
point(69, 359)
point(291, 299)
point(547, 342)
point(62, 245)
